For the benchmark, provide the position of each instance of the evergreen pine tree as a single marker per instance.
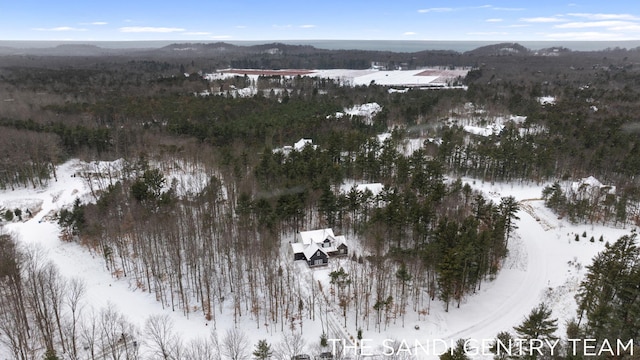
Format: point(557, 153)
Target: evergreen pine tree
point(508, 209)
point(51, 355)
point(502, 346)
point(537, 325)
point(263, 350)
point(459, 352)
point(609, 296)
point(573, 332)
point(403, 275)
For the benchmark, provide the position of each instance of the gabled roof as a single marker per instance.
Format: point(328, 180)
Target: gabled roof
point(335, 244)
point(311, 250)
point(590, 183)
point(300, 144)
point(297, 248)
point(316, 236)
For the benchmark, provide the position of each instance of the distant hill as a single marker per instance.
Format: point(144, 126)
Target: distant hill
point(502, 49)
point(222, 47)
point(63, 50)
point(278, 55)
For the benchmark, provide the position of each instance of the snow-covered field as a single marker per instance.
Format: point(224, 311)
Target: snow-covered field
point(423, 78)
point(545, 263)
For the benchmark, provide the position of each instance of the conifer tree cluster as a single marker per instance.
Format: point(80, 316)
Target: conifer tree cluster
point(609, 296)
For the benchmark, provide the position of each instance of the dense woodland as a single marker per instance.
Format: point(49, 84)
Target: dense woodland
point(425, 237)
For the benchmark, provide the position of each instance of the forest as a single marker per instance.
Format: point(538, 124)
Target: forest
point(428, 237)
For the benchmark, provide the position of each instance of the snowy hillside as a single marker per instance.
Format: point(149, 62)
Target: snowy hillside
point(545, 263)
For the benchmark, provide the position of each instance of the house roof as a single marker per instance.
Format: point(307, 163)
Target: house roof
point(297, 146)
point(383, 137)
point(315, 236)
point(341, 239)
point(297, 248)
point(300, 144)
point(590, 183)
point(335, 243)
point(311, 250)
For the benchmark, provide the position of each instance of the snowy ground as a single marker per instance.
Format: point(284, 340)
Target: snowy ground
point(545, 263)
point(423, 78)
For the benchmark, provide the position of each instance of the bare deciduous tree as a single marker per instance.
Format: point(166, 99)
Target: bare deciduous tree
point(76, 289)
point(89, 334)
point(14, 328)
point(161, 338)
point(235, 345)
point(292, 344)
point(117, 335)
point(201, 349)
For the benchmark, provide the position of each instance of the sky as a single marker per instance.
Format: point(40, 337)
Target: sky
point(251, 20)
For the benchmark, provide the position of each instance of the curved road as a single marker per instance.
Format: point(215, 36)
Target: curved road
point(515, 291)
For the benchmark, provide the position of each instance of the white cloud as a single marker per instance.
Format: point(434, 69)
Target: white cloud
point(508, 9)
point(95, 23)
point(587, 35)
point(282, 27)
point(220, 37)
point(308, 26)
point(149, 29)
point(435, 10)
point(60, 28)
point(588, 24)
point(409, 33)
point(443, 9)
point(630, 27)
point(494, 20)
point(591, 16)
point(449, 9)
point(542, 20)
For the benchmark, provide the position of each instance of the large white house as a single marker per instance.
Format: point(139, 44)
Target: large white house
point(316, 246)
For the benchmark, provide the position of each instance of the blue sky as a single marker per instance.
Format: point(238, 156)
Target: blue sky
point(237, 20)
